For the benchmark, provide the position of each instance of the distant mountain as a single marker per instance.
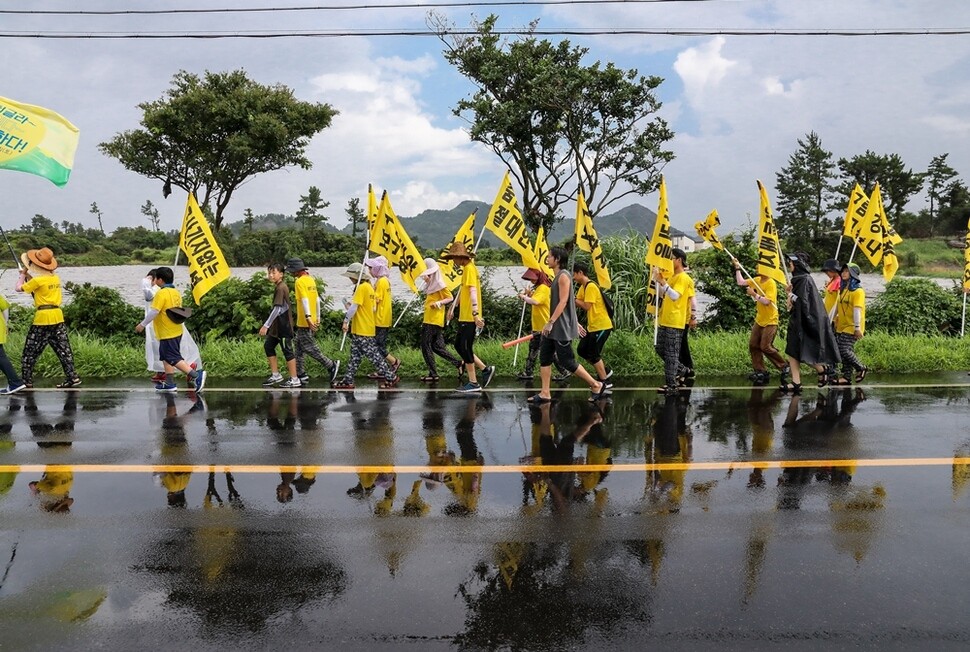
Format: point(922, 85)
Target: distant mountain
point(270, 222)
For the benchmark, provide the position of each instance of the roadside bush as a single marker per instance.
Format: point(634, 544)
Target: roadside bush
point(101, 312)
point(915, 306)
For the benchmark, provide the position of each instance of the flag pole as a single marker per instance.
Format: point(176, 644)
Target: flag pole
point(515, 358)
point(838, 247)
point(406, 308)
point(656, 310)
point(963, 320)
point(363, 264)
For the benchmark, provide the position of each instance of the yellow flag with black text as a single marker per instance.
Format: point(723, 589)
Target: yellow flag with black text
point(659, 248)
point(371, 214)
point(876, 237)
point(465, 235)
point(706, 229)
point(770, 263)
point(541, 250)
point(393, 242)
point(858, 205)
point(588, 241)
point(207, 265)
point(505, 221)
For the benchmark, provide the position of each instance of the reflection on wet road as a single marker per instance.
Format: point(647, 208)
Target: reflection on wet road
point(414, 518)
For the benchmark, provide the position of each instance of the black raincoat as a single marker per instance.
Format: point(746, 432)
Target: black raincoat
point(811, 338)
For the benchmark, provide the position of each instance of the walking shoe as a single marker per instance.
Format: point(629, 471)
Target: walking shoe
point(469, 388)
point(397, 365)
point(487, 375)
point(374, 376)
point(389, 384)
point(304, 379)
point(200, 377)
point(67, 384)
point(291, 383)
point(12, 389)
point(166, 387)
point(609, 374)
point(342, 385)
point(273, 380)
point(159, 377)
point(688, 373)
point(525, 376)
point(334, 371)
point(564, 375)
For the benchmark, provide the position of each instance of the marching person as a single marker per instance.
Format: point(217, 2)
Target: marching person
point(559, 332)
point(359, 321)
point(538, 296)
point(810, 336)
point(166, 303)
point(37, 277)
point(436, 297)
point(850, 324)
point(470, 318)
point(761, 343)
point(384, 316)
point(675, 313)
point(598, 323)
point(832, 269)
point(278, 331)
point(307, 323)
point(187, 345)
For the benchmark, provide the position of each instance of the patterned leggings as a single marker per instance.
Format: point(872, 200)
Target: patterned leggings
point(306, 345)
point(668, 348)
point(433, 342)
point(850, 360)
point(38, 337)
point(362, 346)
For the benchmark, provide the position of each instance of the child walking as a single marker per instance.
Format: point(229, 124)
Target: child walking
point(307, 322)
point(278, 331)
point(436, 297)
point(359, 321)
point(850, 324)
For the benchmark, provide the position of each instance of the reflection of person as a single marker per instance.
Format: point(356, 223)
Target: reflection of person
point(464, 483)
point(42, 428)
point(471, 317)
point(14, 383)
point(307, 322)
point(187, 346)
point(169, 333)
point(762, 430)
point(54, 489)
point(436, 297)
point(359, 321)
point(810, 336)
point(38, 278)
point(668, 444)
point(278, 331)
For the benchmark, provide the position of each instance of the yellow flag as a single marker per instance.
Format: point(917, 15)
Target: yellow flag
point(770, 263)
point(588, 241)
point(207, 265)
point(858, 204)
point(706, 229)
point(966, 258)
point(371, 214)
point(870, 234)
point(540, 251)
point(393, 242)
point(505, 221)
point(659, 248)
point(465, 235)
point(37, 141)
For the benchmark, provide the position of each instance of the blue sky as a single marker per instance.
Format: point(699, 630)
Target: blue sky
point(737, 104)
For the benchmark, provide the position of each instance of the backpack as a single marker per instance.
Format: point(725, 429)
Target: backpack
point(607, 303)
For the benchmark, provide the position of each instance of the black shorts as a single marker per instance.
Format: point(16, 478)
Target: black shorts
point(551, 350)
point(169, 350)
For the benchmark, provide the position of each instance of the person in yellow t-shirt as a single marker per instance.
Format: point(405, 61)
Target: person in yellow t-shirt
point(592, 337)
point(307, 322)
point(169, 333)
point(383, 311)
point(470, 318)
point(830, 296)
point(850, 324)
point(674, 316)
point(14, 383)
point(761, 343)
point(539, 296)
point(360, 323)
point(37, 277)
point(436, 297)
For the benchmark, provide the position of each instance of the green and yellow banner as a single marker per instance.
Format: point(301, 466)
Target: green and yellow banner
point(37, 141)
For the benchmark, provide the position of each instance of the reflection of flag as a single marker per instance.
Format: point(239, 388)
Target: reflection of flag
point(769, 250)
point(540, 252)
point(391, 241)
point(36, 140)
point(505, 221)
point(207, 265)
point(876, 238)
point(587, 240)
point(465, 235)
point(858, 204)
point(706, 228)
point(659, 248)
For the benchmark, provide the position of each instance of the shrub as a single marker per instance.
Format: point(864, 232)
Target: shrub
point(915, 306)
point(101, 312)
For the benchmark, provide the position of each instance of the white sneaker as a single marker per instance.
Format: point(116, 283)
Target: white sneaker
point(273, 380)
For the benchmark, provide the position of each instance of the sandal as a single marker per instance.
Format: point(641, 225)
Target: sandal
point(430, 379)
point(67, 384)
point(794, 388)
point(826, 376)
point(842, 381)
point(861, 374)
point(535, 399)
point(600, 395)
point(389, 384)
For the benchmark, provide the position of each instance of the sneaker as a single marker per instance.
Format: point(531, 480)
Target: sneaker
point(12, 389)
point(487, 375)
point(470, 388)
point(563, 376)
point(305, 379)
point(291, 383)
point(525, 376)
point(273, 380)
point(334, 371)
point(166, 387)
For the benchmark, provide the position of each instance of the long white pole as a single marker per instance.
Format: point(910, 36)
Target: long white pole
point(963, 320)
point(515, 358)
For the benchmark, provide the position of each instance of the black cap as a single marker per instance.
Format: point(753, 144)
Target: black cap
point(294, 265)
point(832, 265)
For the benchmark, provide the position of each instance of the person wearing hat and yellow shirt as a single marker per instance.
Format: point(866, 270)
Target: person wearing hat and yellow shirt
point(37, 277)
point(307, 322)
point(14, 383)
point(673, 317)
point(359, 321)
point(436, 297)
point(850, 323)
point(470, 318)
point(383, 310)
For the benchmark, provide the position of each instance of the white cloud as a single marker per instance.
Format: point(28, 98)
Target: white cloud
point(702, 68)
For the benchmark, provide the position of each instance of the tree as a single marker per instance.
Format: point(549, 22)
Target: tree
point(209, 135)
point(805, 192)
point(356, 215)
point(97, 211)
point(249, 220)
point(149, 211)
point(939, 181)
point(556, 123)
point(897, 183)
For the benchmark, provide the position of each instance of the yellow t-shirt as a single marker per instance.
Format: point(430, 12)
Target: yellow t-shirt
point(382, 297)
point(674, 314)
point(306, 288)
point(363, 321)
point(4, 304)
point(540, 311)
point(849, 300)
point(47, 292)
point(767, 315)
point(469, 280)
point(165, 328)
point(830, 296)
point(597, 318)
point(432, 315)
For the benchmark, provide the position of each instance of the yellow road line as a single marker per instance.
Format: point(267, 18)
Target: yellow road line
point(486, 468)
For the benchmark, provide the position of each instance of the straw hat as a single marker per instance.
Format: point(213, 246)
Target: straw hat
point(458, 250)
point(355, 271)
point(42, 258)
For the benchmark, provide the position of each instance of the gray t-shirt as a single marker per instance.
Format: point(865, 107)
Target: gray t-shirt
point(566, 327)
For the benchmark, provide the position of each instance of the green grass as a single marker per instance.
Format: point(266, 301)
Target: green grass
point(929, 257)
point(715, 354)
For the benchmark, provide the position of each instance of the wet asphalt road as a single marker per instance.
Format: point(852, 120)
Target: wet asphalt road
point(253, 519)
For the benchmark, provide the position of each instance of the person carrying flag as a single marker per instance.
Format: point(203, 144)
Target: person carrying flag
point(384, 316)
point(810, 336)
point(850, 324)
point(761, 343)
point(436, 297)
point(673, 317)
point(470, 318)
